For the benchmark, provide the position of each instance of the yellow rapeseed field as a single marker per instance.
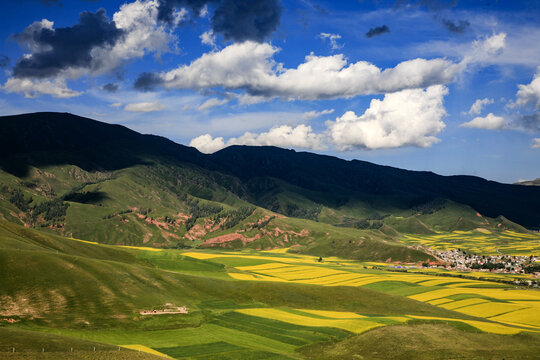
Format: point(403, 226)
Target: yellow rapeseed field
point(489, 309)
point(511, 308)
point(353, 325)
point(145, 349)
point(334, 314)
point(462, 303)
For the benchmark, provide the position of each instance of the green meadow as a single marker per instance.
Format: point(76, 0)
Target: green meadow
point(59, 294)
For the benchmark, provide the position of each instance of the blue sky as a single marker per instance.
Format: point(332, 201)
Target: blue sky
point(446, 86)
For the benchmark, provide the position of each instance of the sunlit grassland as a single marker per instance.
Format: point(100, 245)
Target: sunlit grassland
point(482, 299)
point(243, 304)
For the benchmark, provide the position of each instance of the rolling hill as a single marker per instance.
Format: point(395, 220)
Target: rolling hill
point(82, 178)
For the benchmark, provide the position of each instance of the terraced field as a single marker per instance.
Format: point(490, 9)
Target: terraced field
point(505, 309)
point(481, 242)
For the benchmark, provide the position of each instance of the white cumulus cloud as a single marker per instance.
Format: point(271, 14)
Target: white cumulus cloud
point(530, 94)
point(301, 136)
point(478, 105)
point(250, 66)
point(404, 118)
point(536, 143)
point(206, 144)
point(489, 122)
point(491, 45)
point(143, 33)
point(144, 107)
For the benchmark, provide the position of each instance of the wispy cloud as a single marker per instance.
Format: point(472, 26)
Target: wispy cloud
point(144, 107)
point(315, 114)
point(333, 38)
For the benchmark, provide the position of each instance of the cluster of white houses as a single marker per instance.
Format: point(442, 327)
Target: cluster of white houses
point(461, 260)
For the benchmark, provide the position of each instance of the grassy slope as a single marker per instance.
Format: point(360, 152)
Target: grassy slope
point(34, 345)
point(94, 292)
point(63, 280)
point(427, 341)
point(118, 212)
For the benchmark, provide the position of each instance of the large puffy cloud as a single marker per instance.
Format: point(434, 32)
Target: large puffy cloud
point(54, 50)
point(236, 20)
point(250, 66)
point(143, 32)
point(489, 122)
point(233, 67)
point(405, 118)
point(206, 144)
point(301, 136)
point(536, 143)
point(530, 94)
point(94, 46)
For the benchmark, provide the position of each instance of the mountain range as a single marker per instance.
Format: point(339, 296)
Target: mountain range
point(100, 182)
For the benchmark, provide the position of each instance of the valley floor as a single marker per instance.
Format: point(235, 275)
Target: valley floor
point(279, 305)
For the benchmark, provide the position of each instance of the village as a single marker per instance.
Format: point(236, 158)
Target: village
point(461, 260)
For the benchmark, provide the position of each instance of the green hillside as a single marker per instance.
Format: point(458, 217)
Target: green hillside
point(168, 205)
point(57, 290)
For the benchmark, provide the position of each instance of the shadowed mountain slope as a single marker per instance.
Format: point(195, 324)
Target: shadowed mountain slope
point(41, 139)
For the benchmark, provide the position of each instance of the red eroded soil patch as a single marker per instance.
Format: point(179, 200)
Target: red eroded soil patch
point(169, 235)
point(147, 237)
point(10, 320)
point(302, 233)
point(196, 232)
point(225, 238)
point(182, 215)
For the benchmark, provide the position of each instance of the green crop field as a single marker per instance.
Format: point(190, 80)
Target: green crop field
point(64, 294)
point(481, 242)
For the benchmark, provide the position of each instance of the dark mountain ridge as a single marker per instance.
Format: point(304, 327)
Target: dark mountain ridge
point(60, 138)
